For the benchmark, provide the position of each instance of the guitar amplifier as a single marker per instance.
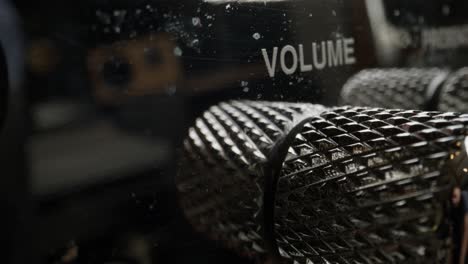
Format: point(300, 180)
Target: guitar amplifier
point(153, 131)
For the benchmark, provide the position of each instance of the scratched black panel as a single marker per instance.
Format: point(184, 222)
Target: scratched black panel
point(113, 85)
point(219, 43)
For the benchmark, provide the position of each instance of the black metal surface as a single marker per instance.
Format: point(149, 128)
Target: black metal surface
point(349, 184)
point(4, 91)
point(413, 34)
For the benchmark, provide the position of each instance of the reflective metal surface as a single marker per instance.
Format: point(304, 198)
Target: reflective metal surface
point(432, 89)
point(333, 186)
point(399, 88)
point(373, 187)
point(97, 96)
point(454, 95)
point(221, 181)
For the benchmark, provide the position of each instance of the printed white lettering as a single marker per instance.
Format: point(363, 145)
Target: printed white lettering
point(335, 52)
point(328, 53)
point(349, 51)
point(271, 65)
point(319, 65)
point(304, 67)
point(450, 37)
point(288, 49)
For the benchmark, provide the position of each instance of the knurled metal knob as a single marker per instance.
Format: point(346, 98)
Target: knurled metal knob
point(373, 187)
point(454, 94)
point(307, 184)
point(221, 182)
point(395, 88)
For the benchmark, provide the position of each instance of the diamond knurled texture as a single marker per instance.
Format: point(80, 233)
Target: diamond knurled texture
point(220, 182)
point(454, 94)
point(357, 185)
point(393, 88)
point(363, 185)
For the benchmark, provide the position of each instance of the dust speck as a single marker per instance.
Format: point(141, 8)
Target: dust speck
point(445, 10)
point(177, 51)
point(196, 21)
